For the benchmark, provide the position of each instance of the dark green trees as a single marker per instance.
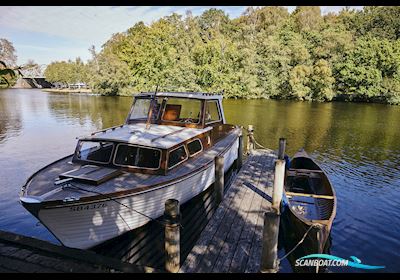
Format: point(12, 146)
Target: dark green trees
point(265, 53)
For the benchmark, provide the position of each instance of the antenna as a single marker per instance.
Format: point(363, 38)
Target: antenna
point(151, 109)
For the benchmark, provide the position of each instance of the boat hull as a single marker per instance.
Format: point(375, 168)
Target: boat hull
point(309, 210)
point(294, 229)
point(84, 225)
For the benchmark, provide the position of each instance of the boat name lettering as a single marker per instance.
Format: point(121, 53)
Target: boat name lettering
point(87, 207)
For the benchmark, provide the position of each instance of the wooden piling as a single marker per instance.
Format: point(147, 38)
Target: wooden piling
point(279, 178)
point(269, 255)
point(219, 178)
point(269, 258)
point(250, 142)
point(172, 235)
point(239, 161)
point(282, 147)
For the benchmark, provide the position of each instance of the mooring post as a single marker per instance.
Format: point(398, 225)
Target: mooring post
point(279, 177)
point(219, 178)
point(269, 256)
point(239, 161)
point(250, 143)
point(172, 235)
point(282, 147)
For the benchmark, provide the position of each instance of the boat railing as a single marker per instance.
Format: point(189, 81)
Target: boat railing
point(106, 129)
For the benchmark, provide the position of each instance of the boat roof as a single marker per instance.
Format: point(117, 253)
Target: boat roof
point(157, 136)
point(193, 95)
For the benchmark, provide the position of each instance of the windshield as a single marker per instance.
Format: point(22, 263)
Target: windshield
point(141, 109)
point(94, 151)
point(182, 110)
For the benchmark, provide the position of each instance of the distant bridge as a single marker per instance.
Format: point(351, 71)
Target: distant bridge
point(34, 72)
point(33, 77)
point(23, 82)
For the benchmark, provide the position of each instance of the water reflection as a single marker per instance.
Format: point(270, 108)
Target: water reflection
point(357, 144)
point(100, 111)
point(369, 130)
point(10, 117)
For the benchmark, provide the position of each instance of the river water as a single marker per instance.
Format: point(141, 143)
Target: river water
point(358, 145)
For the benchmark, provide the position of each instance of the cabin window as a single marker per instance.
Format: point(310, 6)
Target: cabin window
point(212, 112)
point(194, 147)
point(182, 110)
point(95, 151)
point(135, 156)
point(177, 156)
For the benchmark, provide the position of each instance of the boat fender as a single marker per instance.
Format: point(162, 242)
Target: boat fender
point(287, 161)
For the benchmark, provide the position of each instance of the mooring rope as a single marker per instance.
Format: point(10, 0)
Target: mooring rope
point(70, 185)
point(258, 144)
point(298, 244)
point(254, 140)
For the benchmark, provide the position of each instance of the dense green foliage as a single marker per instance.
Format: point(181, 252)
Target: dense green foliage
point(6, 75)
point(265, 53)
point(67, 72)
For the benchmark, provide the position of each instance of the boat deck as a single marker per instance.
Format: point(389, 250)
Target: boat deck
point(42, 185)
point(232, 240)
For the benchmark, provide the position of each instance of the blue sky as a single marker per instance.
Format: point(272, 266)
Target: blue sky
point(47, 34)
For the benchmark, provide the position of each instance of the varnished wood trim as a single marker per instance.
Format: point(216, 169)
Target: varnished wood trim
point(291, 194)
point(136, 191)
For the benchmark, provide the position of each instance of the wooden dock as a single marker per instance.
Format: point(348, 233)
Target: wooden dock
point(25, 254)
point(232, 240)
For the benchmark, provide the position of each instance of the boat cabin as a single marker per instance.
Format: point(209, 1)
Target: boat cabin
point(196, 110)
point(161, 132)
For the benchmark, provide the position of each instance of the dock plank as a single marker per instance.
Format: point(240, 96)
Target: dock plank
point(195, 256)
point(253, 263)
point(231, 239)
point(242, 253)
point(240, 223)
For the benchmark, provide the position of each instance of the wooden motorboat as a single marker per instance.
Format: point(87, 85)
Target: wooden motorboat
point(118, 179)
point(310, 202)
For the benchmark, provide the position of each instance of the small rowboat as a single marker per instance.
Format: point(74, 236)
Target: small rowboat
point(311, 203)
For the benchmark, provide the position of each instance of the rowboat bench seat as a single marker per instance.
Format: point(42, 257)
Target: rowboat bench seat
point(293, 194)
point(304, 172)
point(299, 170)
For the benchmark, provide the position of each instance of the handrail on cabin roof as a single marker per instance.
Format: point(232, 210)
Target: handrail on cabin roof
point(197, 94)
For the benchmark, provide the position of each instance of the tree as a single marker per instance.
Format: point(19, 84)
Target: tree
point(307, 18)
point(7, 53)
point(378, 21)
point(370, 71)
point(322, 81)
point(6, 74)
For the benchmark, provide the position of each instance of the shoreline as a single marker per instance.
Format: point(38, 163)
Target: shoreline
point(67, 90)
point(338, 99)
